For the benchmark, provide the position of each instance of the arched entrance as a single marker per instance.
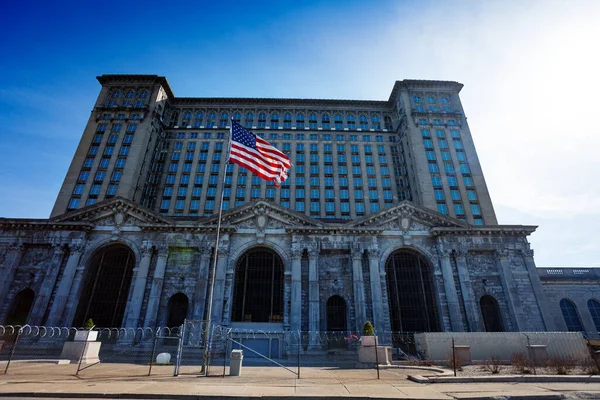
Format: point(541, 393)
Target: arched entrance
point(492, 320)
point(411, 296)
point(20, 307)
point(106, 287)
point(178, 307)
point(258, 287)
point(336, 322)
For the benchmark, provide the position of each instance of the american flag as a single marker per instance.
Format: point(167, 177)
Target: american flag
point(258, 155)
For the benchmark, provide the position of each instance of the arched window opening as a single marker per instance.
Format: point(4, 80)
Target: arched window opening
point(594, 307)
point(258, 287)
point(20, 307)
point(178, 308)
point(490, 311)
point(336, 321)
point(411, 293)
point(571, 316)
point(106, 287)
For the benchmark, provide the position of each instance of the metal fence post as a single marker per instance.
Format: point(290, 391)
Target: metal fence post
point(299, 344)
point(12, 351)
point(226, 351)
point(376, 357)
point(179, 349)
point(531, 352)
point(153, 351)
point(453, 357)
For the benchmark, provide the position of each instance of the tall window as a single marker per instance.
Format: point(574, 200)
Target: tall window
point(594, 307)
point(571, 316)
point(258, 287)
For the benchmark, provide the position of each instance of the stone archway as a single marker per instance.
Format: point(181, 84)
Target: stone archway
point(106, 287)
point(178, 308)
point(490, 311)
point(411, 294)
point(258, 287)
point(336, 322)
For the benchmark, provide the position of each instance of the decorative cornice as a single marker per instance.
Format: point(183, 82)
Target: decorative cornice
point(43, 224)
point(491, 230)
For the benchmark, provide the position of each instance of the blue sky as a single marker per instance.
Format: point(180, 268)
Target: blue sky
point(530, 70)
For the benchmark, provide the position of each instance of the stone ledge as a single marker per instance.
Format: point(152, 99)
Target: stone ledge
point(506, 378)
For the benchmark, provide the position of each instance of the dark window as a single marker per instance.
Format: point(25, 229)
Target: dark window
point(594, 307)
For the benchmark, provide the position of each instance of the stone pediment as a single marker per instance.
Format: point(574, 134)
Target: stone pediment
point(262, 215)
point(117, 212)
point(406, 217)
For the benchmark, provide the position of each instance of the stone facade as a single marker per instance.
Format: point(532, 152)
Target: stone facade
point(320, 260)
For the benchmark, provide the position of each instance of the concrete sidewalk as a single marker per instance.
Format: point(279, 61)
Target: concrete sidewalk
point(132, 381)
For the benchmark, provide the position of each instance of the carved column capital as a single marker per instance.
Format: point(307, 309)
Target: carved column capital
point(527, 253)
point(357, 254)
point(76, 246)
point(502, 253)
point(146, 248)
point(18, 246)
point(163, 250)
point(374, 253)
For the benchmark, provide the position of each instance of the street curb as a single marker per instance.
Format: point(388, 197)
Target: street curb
point(214, 397)
point(506, 379)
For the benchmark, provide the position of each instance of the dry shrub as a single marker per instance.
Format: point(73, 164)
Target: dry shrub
point(521, 363)
point(560, 366)
point(589, 366)
point(452, 361)
point(492, 364)
point(417, 362)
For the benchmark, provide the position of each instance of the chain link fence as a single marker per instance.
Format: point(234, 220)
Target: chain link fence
point(193, 349)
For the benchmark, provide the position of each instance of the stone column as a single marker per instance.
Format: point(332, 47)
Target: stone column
point(376, 294)
point(156, 289)
point(359, 289)
point(539, 291)
point(45, 291)
point(221, 274)
point(9, 267)
point(296, 295)
point(314, 314)
point(471, 304)
point(66, 282)
point(71, 307)
point(201, 284)
point(451, 294)
point(140, 279)
point(511, 291)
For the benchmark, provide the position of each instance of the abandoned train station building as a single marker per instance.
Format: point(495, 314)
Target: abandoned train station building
point(385, 217)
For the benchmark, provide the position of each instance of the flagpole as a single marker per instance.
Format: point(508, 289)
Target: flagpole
point(208, 331)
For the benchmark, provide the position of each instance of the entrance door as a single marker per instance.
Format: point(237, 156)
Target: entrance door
point(336, 323)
